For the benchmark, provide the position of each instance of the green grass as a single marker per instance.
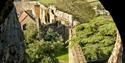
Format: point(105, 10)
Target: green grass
point(62, 54)
point(63, 57)
point(47, 1)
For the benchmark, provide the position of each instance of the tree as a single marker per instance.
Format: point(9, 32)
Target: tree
point(80, 9)
point(118, 18)
point(97, 36)
point(12, 49)
point(41, 51)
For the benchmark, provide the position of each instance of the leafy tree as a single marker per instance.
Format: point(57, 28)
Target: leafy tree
point(30, 32)
point(51, 35)
point(96, 38)
point(42, 51)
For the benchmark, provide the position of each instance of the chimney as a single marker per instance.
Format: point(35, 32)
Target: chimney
point(37, 10)
point(37, 13)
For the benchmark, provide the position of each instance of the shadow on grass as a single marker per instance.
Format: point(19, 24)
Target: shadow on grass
point(62, 54)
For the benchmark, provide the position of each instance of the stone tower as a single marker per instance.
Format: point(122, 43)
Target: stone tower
point(12, 48)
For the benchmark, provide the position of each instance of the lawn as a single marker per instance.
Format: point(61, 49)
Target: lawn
point(62, 54)
point(63, 57)
point(47, 1)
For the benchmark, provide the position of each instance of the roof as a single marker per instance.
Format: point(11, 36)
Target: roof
point(24, 15)
point(18, 7)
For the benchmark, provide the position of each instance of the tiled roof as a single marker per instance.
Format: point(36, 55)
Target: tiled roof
point(23, 16)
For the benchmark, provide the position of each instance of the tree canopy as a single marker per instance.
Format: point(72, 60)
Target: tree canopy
point(42, 51)
point(96, 38)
